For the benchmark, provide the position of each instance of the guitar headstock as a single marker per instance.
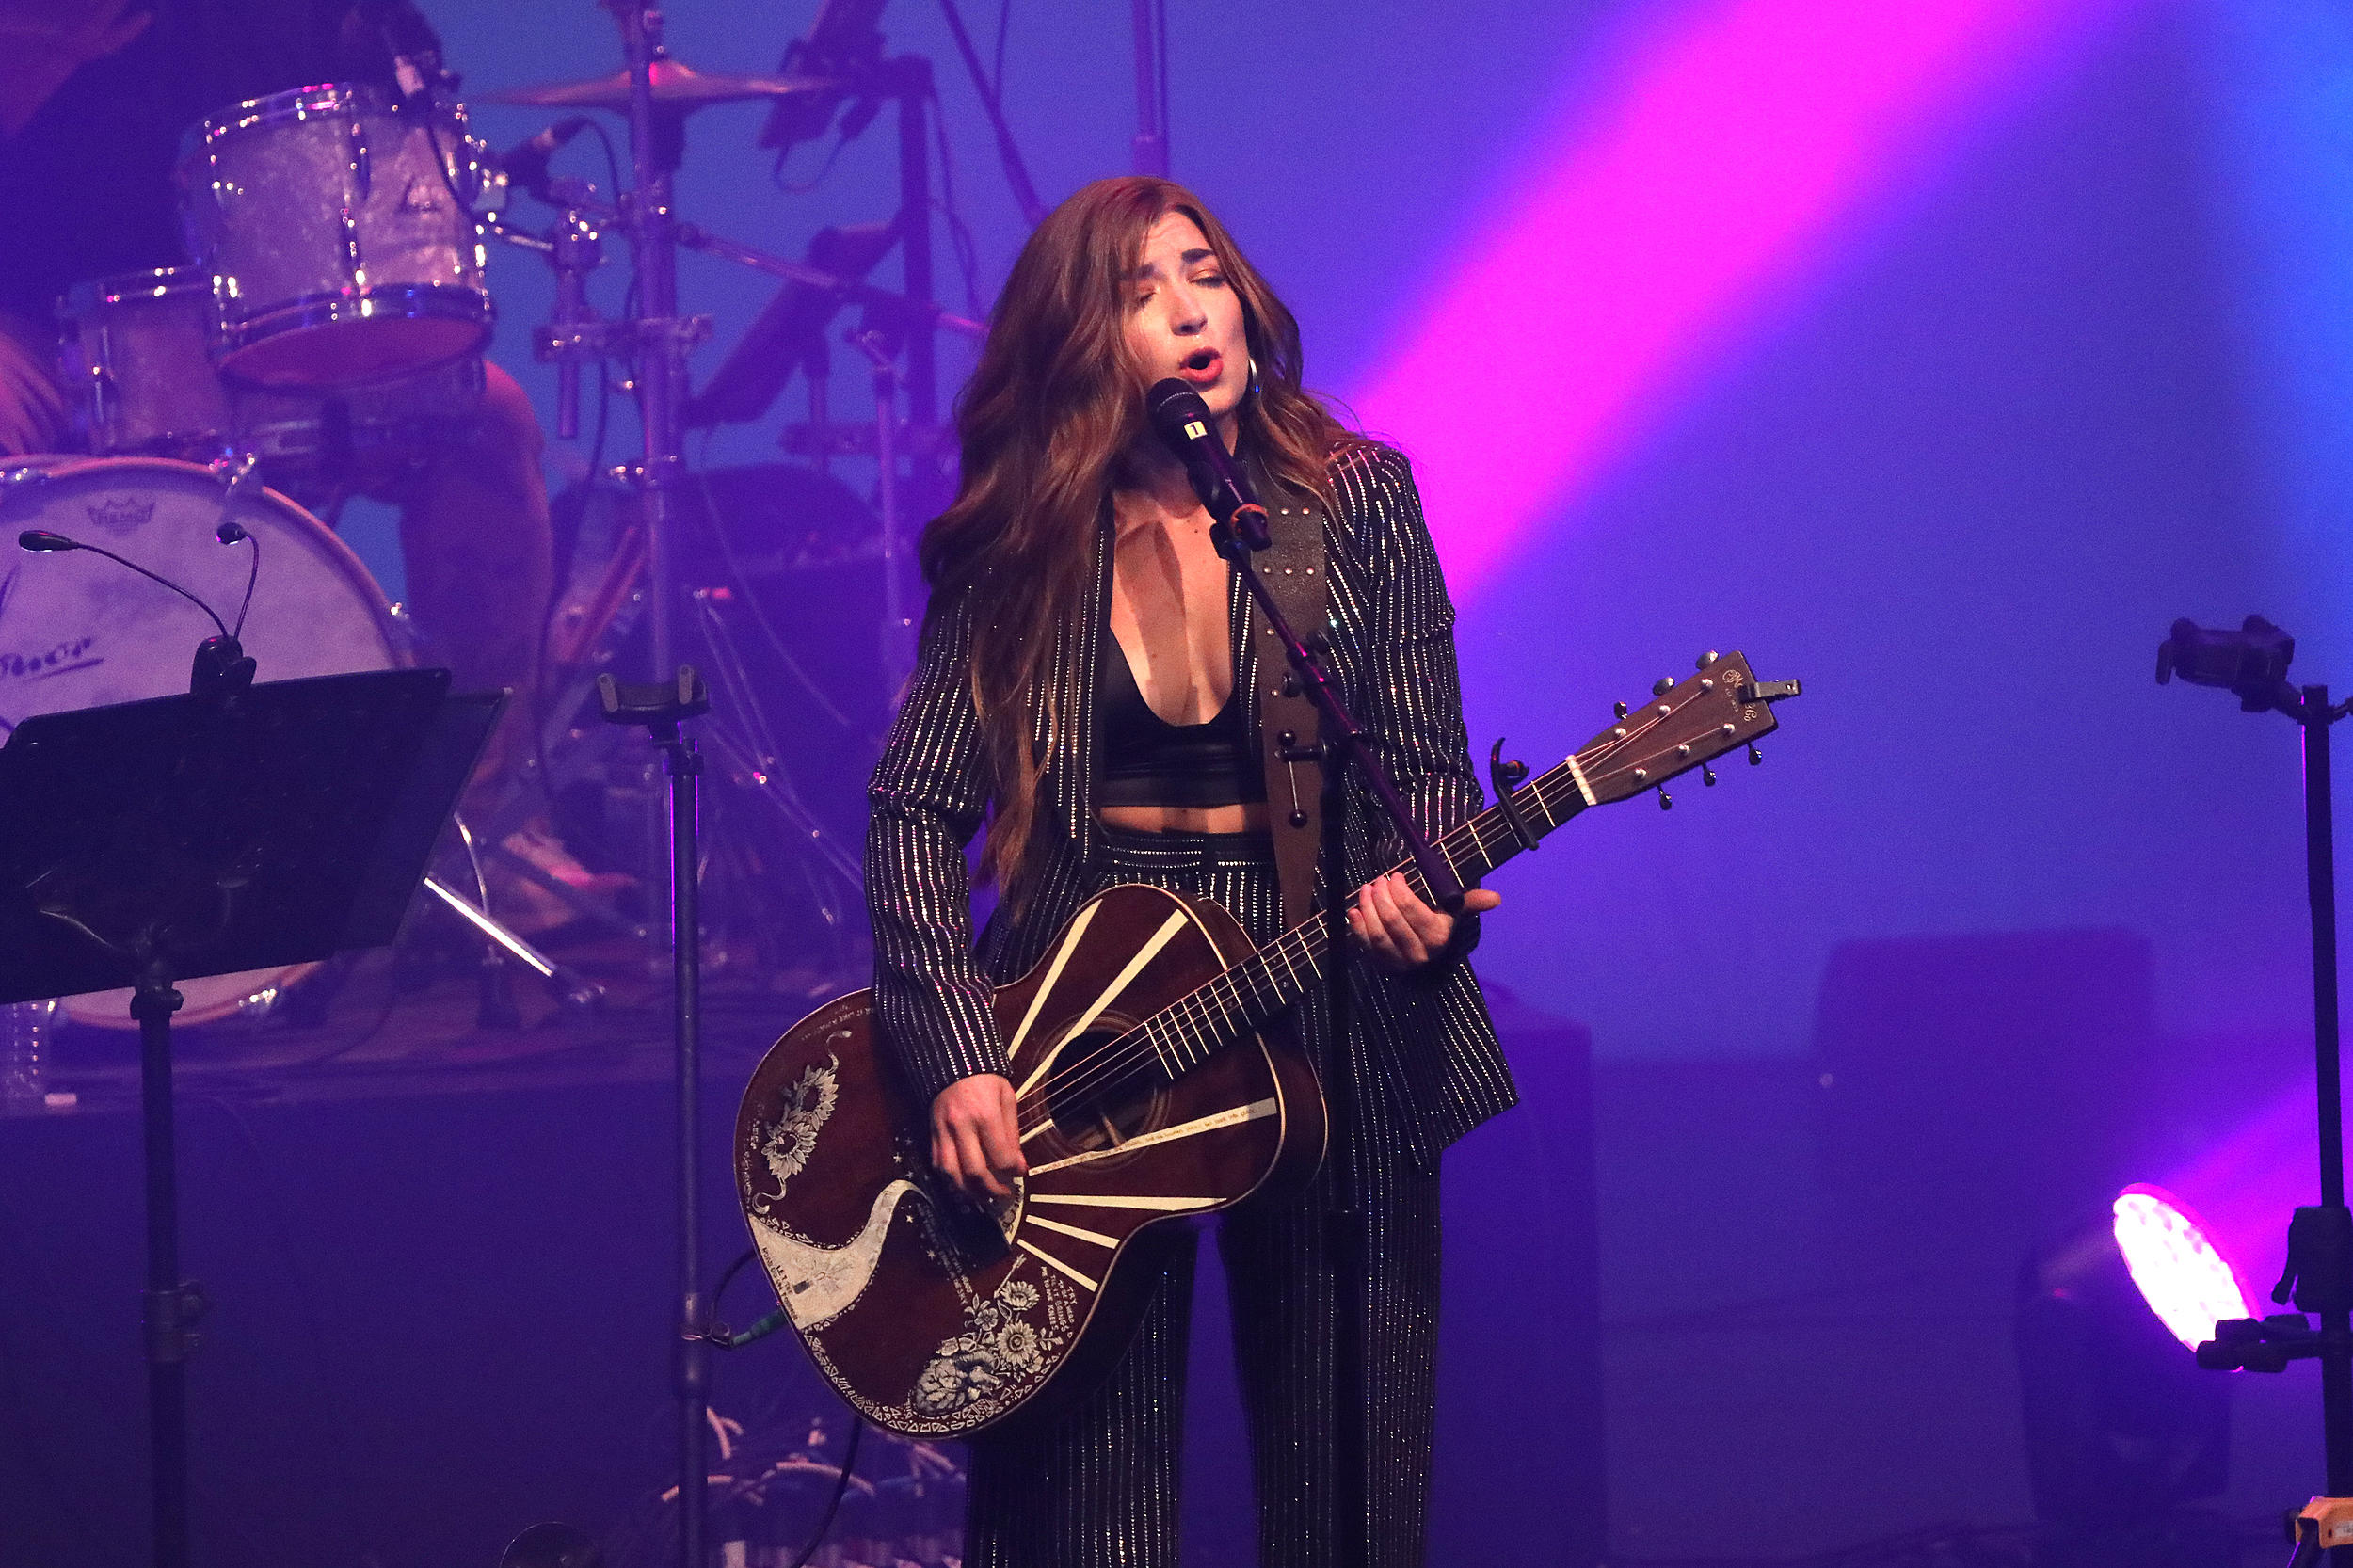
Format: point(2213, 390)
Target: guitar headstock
point(1683, 724)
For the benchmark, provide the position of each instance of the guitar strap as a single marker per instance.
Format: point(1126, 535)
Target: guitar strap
point(1295, 571)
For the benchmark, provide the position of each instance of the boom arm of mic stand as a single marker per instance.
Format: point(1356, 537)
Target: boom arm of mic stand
point(1446, 888)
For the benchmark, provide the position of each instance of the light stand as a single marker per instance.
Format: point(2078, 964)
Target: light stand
point(2253, 663)
point(897, 650)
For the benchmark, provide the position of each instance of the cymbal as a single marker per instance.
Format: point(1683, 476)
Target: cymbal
point(676, 86)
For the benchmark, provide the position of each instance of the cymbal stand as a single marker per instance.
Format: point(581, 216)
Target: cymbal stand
point(663, 338)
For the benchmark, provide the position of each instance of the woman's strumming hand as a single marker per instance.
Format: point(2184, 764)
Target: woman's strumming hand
point(1391, 921)
point(976, 1136)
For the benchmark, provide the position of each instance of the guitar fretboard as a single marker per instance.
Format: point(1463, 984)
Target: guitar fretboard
point(1186, 1033)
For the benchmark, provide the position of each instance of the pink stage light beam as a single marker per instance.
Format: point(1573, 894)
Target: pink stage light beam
point(1692, 189)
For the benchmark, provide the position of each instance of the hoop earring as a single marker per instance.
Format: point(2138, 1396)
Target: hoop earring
point(1251, 391)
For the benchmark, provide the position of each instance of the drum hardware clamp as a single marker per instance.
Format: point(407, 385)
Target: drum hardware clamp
point(234, 469)
point(609, 339)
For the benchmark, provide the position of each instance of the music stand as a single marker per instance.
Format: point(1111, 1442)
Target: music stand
point(151, 842)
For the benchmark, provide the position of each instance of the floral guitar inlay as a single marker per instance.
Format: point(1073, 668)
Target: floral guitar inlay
point(816, 1284)
point(1000, 1346)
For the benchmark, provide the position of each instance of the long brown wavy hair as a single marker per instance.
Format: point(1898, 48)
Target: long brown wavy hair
point(1042, 423)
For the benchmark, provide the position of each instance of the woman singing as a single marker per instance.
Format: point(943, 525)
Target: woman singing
point(1087, 684)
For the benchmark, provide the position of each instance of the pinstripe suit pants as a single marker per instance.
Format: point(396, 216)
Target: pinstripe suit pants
point(1101, 1486)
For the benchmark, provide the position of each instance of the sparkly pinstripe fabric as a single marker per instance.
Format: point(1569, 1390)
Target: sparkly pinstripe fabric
point(1431, 1051)
point(1101, 1486)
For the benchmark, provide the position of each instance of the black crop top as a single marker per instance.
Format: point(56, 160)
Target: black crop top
point(1150, 761)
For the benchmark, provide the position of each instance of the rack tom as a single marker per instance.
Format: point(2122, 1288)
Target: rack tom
point(340, 251)
point(132, 354)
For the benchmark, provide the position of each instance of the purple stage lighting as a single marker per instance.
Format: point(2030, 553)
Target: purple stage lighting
point(1717, 162)
point(2180, 1272)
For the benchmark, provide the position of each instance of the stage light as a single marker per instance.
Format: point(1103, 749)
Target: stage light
point(1699, 174)
point(2182, 1275)
point(2123, 1425)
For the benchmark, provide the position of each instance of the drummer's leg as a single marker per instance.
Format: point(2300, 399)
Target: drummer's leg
point(477, 544)
point(32, 408)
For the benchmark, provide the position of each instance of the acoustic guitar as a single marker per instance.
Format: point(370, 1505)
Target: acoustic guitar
point(1155, 1081)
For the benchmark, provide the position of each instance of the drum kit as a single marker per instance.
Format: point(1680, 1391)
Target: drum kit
point(326, 339)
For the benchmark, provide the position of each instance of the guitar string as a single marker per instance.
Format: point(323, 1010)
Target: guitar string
point(1208, 1027)
point(1201, 1019)
point(1196, 1019)
point(1198, 1023)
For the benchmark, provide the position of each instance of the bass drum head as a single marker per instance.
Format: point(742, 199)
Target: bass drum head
point(78, 630)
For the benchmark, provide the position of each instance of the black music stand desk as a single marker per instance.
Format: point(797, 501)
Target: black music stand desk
point(151, 842)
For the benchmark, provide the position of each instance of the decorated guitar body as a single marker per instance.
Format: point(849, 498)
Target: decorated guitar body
point(1156, 1078)
point(934, 1318)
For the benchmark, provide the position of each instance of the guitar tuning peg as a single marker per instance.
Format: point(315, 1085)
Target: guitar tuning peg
point(1707, 775)
point(1709, 658)
point(1661, 686)
point(1756, 757)
point(1666, 801)
point(1619, 708)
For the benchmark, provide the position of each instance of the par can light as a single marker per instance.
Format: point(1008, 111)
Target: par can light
point(2186, 1280)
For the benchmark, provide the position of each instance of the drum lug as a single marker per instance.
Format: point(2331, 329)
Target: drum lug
point(362, 176)
point(20, 477)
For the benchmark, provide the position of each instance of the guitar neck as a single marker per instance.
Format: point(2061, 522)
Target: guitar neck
point(1681, 726)
point(1254, 991)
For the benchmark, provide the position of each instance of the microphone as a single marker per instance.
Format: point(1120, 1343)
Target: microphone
point(526, 162)
point(841, 50)
point(220, 661)
point(1183, 421)
point(414, 47)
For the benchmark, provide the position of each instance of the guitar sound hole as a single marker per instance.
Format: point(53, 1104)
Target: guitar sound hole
point(1088, 1121)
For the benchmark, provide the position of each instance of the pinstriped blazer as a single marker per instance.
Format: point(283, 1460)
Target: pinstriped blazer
point(1426, 1040)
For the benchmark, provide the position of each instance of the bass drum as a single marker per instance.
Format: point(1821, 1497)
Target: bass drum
point(77, 631)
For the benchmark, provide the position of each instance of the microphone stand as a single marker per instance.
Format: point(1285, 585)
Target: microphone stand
point(1352, 741)
point(1238, 530)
